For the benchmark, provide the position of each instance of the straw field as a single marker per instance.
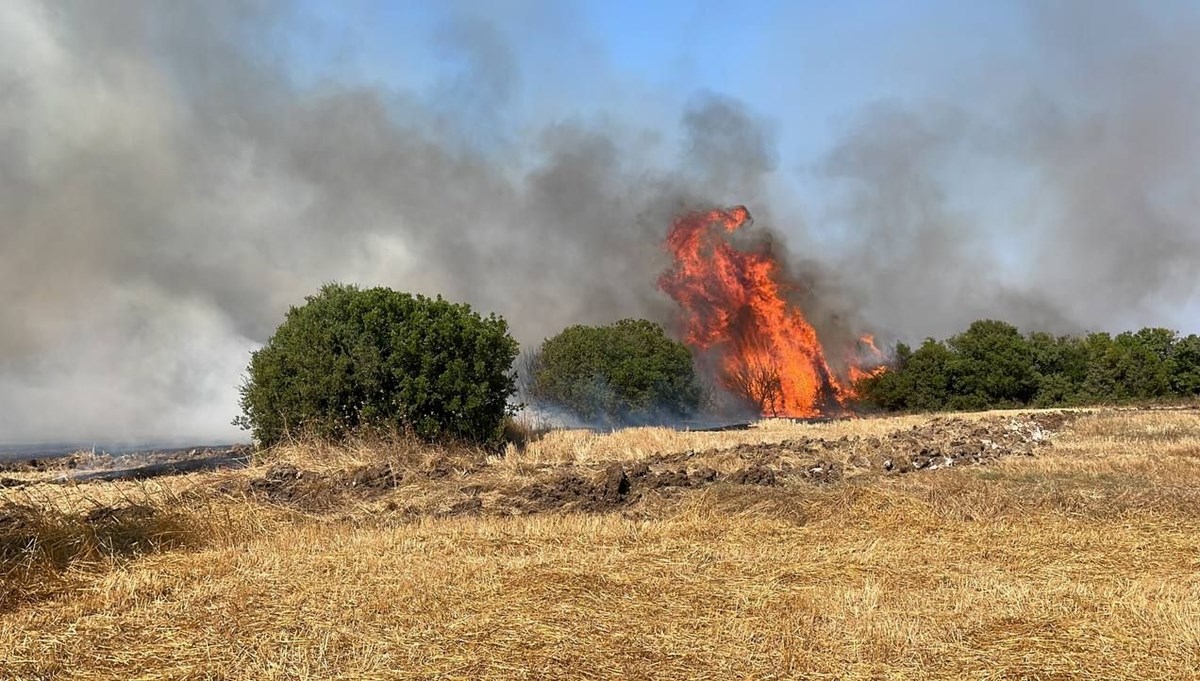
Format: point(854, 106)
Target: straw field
point(1079, 560)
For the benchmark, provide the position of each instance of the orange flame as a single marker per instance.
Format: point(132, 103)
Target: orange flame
point(875, 359)
point(734, 304)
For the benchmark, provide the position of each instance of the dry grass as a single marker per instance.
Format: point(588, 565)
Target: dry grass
point(54, 538)
point(1080, 563)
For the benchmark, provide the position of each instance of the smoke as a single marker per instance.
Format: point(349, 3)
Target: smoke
point(918, 267)
point(1071, 205)
point(167, 192)
point(169, 186)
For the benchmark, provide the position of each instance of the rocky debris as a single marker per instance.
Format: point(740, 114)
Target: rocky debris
point(953, 441)
point(823, 471)
point(938, 443)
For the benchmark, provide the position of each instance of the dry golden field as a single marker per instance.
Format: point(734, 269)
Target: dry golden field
point(1078, 560)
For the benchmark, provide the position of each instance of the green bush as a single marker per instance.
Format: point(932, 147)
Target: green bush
point(349, 359)
point(627, 372)
point(991, 365)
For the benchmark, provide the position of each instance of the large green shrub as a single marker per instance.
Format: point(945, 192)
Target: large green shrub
point(990, 365)
point(627, 372)
point(376, 358)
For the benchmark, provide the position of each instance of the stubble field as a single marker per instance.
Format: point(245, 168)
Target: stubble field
point(986, 546)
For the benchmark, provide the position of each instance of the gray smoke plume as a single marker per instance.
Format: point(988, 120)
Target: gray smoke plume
point(1095, 163)
point(167, 189)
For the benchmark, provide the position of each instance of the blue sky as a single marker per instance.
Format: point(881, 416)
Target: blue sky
point(805, 69)
point(805, 66)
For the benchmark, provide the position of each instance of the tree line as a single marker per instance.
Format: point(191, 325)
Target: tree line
point(992, 365)
point(350, 359)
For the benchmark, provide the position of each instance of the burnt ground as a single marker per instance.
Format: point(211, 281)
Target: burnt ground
point(466, 484)
point(83, 466)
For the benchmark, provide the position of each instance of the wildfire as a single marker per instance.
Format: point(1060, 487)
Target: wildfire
point(734, 305)
point(873, 357)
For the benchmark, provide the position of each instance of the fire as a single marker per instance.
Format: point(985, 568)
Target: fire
point(873, 357)
point(734, 305)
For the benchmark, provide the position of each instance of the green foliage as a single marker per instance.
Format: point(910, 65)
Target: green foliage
point(992, 365)
point(627, 372)
point(1185, 378)
point(1060, 365)
point(927, 383)
point(376, 358)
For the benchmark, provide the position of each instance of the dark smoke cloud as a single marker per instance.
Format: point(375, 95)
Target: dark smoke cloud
point(168, 188)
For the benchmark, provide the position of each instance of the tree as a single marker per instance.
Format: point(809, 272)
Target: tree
point(1102, 378)
point(1143, 364)
point(627, 372)
point(926, 377)
point(376, 358)
point(888, 389)
point(761, 385)
point(1060, 365)
point(1185, 378)
point(991, 365)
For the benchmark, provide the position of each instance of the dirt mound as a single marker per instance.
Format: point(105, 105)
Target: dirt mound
point(941, 442)
point(618, 485)
point(288, 485)
point(377, 477)
point(755, 474)
point(443, 486)
point(954, 441)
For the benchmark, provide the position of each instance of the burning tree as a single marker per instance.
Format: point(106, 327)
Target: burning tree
point(759, 384)
point(734, 304)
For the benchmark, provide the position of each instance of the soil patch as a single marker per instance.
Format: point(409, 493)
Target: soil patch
point(445, 487)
